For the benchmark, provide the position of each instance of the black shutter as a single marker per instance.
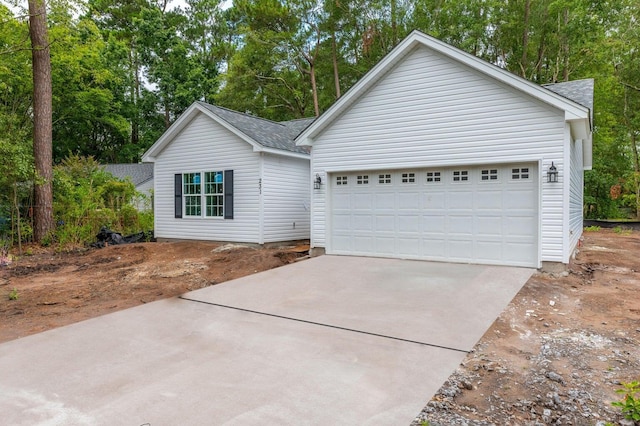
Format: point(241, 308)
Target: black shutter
point(178, 196)
point(228, 194)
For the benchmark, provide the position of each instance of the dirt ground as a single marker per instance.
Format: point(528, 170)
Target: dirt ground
point(56, 289)
point(559, 351)
point(556, 354)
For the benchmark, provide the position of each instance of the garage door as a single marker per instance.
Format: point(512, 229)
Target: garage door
point(482, 214)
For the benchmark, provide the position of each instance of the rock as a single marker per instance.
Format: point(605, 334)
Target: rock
point(555, 377)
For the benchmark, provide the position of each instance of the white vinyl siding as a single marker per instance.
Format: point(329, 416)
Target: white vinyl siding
point(576, 191)
point(203, 145)
point(285, 196)
point(429, 111)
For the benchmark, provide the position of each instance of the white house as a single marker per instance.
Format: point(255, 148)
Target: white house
point(222, 175)
point(436, 154)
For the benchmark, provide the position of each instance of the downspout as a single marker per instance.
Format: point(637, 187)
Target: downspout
point(566, 194)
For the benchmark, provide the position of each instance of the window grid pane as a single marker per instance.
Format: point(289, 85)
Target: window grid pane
point(214, 189)
point(408, 178)
point(384, 178)
point(460, 175)
point(341, 180)
point(362, 180)
point(191, 190)
point(433, 177)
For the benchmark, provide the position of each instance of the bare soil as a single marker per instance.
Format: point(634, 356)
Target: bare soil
point(560, 350)
point(56, 289)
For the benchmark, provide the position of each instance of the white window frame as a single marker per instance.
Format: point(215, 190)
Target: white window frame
point(203, 205)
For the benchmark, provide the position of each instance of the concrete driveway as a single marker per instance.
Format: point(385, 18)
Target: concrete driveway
point(330, 340)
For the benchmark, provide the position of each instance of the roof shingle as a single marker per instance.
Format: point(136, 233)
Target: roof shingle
point(267, 133)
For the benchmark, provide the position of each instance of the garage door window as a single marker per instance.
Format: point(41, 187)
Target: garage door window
point(520, 174)
point(341, 180)
point(362, 180)
point(489, 175)
point(408, 178)
point(384, 179)
point(433, 177)
point(460, 175)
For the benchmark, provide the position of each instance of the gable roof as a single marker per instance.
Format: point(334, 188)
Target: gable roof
point(138, 173)
point(577, 114)
point(580, 91)
point(264, 135)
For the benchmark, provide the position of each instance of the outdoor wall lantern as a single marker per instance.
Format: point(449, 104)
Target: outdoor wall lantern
point(552, 174)
point(317, 182)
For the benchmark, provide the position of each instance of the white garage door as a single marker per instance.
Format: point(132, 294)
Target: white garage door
point(474, 214)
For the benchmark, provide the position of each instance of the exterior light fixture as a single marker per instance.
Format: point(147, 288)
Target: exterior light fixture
point(317, 182)
point(552, 174)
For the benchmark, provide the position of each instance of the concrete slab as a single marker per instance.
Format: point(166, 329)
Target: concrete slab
point(442, 304)
point(180, 362)
point(271, 355)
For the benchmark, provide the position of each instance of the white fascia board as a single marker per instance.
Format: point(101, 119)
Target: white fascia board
point(282, 152)
point(571, 108)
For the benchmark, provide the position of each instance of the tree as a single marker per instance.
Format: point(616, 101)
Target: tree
point(42, 120)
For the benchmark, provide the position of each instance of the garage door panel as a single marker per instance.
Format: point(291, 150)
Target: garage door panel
point(519, 225)
point(362, 201)
point(362, 222)
point(489, 250)
point(409, 246)
point(488, 225)
point(385, 222)
point(518, 198)
point(341, 223)
point(491, 221)
point(385, 245)
point(409, 223)
point(362, 244)
point(460, 249)
point(489, 200)
point(517, 252)
point(434, 200)
point(460, 200)
point(434, 224)
point(460, 224)
point(434, 248)
point(408, 201)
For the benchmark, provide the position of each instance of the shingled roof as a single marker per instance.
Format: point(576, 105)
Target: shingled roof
point(267, 133)
point(138, 173)
point(580, 91)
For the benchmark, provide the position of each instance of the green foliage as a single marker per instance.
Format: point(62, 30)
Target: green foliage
point(630, 405)
point(13, 294)
point(87, 198)
point(594, 228)
point(622, 231)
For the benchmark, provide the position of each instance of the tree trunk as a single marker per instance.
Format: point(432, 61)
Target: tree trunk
point(565, 47)
point(17, 209)
point(525, 38)
point(42, 120)
point(314, 88)
point(336, 74)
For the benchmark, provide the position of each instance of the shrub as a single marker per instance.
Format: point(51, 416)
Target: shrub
point(87, 198)
point(630, 405)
